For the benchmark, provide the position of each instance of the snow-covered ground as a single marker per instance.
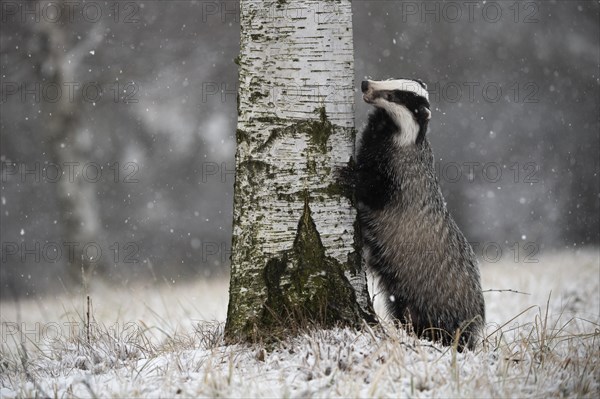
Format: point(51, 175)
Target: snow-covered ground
point(167, 342)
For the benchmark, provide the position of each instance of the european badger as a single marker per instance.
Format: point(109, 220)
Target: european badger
point(426, 267)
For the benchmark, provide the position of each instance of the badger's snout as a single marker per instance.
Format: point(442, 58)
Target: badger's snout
point(364, 86)
point(367, 91)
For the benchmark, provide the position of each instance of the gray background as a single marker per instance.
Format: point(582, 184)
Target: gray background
point(515, 99)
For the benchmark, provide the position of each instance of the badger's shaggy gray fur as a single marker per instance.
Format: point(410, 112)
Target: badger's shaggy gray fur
point(426, 267)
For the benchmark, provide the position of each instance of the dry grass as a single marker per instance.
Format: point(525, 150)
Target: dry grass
point(161, 343)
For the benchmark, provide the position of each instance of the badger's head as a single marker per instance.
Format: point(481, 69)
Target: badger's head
point(406, 101)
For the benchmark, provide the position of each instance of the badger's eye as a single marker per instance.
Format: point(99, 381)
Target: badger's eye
point(389, 97)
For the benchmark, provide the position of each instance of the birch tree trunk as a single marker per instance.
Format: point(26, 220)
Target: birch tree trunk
point(296, 251)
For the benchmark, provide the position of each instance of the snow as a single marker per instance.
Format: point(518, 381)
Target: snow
point(158, 342)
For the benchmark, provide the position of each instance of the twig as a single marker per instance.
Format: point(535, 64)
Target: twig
point(87, 325)
point(508, 290)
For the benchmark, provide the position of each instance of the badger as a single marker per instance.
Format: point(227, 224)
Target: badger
point(426, 268)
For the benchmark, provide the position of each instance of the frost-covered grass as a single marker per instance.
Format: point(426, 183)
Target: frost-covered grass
point(167, 342)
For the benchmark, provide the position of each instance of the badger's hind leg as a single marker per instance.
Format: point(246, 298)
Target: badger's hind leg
point(470, 331)
point(430, 327)
point(462, 335)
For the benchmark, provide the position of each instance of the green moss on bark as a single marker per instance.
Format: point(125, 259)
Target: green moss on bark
point(241, 136)
point(305, 286)
point(255, 167)
point(336, 189)
point(257, 95)
point(320, 130)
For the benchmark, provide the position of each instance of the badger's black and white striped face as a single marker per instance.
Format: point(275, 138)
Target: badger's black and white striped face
point(406, 101)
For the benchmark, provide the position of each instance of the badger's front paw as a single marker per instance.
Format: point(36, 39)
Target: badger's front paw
point(345, 176)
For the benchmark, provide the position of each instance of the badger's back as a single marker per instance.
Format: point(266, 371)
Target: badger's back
point(425, 264)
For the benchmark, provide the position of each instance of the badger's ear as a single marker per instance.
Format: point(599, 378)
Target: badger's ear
point(422, 83)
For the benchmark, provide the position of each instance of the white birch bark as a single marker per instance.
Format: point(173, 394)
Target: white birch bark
point(295, 128)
